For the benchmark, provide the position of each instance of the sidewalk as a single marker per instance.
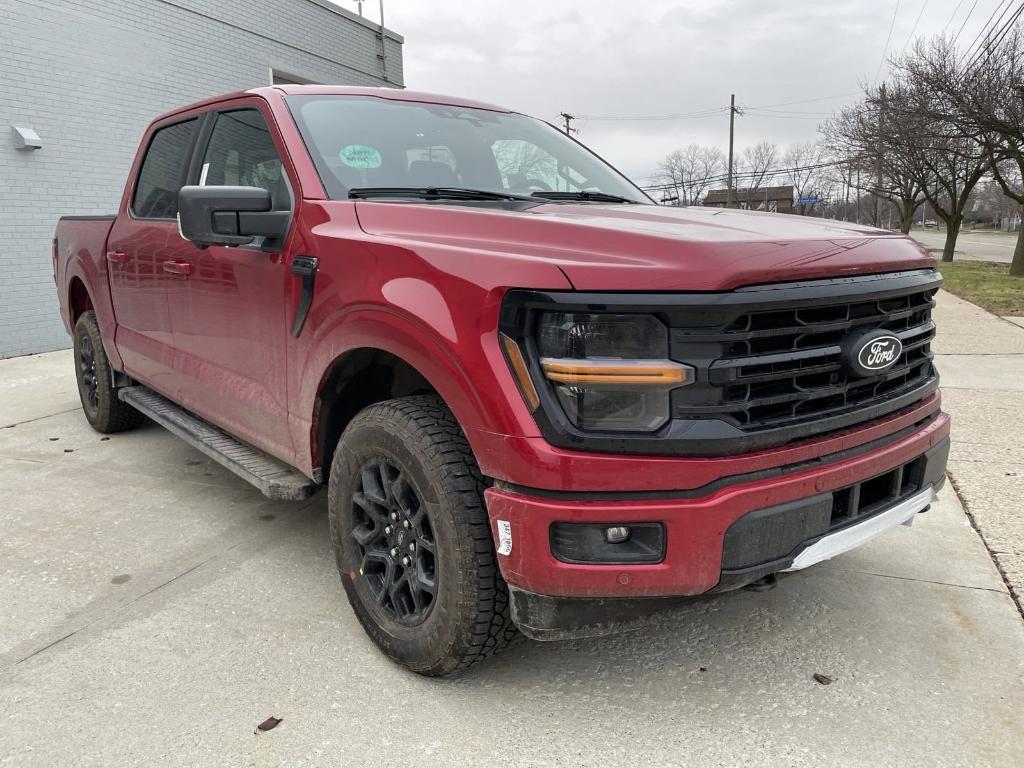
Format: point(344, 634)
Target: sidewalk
point(981, 361)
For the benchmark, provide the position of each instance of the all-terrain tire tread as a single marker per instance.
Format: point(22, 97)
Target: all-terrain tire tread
point(113, 415)
point(439, 436)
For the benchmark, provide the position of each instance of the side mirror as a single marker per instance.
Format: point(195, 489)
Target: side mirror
point(230, 216)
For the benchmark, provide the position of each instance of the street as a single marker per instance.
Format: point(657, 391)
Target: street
point(981, 246)
point(157, 609)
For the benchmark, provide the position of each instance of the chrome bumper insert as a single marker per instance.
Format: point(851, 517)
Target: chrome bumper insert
point(855, 535)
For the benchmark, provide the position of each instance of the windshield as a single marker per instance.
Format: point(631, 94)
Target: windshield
point(358, 142)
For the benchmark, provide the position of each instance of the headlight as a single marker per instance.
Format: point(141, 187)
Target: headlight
point(610, 372)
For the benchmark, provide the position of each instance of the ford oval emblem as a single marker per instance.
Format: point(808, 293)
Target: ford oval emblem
point(871, 353)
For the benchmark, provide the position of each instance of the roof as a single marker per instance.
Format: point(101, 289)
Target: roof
point(784, 192)
point(327, 5)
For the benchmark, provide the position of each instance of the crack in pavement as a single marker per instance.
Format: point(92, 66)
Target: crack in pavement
point(40, 418)
point(925, 581)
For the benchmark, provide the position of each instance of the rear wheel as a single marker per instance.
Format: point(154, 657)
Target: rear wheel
point(412, 539)
point(103, 410)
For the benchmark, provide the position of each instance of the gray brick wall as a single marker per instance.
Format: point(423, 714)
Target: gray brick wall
point(88, 75)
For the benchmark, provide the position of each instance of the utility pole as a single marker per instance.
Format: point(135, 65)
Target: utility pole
point(878, 157)
point(567, 118)
point(732, 125)
point(846, 204)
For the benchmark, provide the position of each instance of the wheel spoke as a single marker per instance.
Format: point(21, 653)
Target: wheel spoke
point(365, 535)
point(375, 509)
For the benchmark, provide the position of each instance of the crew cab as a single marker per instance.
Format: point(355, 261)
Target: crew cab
point(540, 403)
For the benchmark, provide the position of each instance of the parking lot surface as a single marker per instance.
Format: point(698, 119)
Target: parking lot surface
point(155, 609)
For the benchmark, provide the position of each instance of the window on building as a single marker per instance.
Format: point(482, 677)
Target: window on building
point(163, 172)
point(242, 153)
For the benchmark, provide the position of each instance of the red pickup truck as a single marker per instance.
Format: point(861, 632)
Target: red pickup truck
point(539, 402)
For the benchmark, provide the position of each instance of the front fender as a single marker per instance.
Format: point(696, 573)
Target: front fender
point(465, 366)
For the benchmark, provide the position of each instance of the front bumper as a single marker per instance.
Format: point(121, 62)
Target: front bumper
point(696, 559)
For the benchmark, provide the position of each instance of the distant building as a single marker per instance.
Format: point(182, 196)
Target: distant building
point(82, 79)
point(771, 199)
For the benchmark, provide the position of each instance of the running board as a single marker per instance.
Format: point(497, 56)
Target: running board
point(275, 479)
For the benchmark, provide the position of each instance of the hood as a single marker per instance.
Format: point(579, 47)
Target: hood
point(653, 248)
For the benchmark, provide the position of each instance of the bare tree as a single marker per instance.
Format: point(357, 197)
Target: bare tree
point(858, 135)
point(757, 161)
point(984, 97)
point(805, 172)
point(690, 171)
point(946, 154)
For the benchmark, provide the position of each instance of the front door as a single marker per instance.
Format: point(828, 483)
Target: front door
point(143, 242)
point(228, 310)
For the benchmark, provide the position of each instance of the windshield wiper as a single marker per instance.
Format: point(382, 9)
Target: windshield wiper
point(598, 197)
point(434, 193)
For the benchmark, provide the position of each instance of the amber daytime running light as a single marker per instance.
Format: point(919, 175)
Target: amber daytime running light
point(608, 372)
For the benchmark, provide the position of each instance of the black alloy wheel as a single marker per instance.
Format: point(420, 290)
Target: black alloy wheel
point(87, 380)
point(393, 535)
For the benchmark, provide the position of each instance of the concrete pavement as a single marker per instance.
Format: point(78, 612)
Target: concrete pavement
point(156, 608)
point(980, 246)
point(981, 361)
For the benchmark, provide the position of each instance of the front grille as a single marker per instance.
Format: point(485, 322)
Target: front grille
point(779, 365)
point(869, 497)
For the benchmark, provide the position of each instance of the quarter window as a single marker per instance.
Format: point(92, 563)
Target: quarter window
point(163, 172)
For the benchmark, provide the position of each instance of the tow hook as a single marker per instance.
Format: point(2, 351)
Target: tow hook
point(764, 584)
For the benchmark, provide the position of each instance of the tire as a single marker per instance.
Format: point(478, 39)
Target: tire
point(408, 459)
point(103, 410)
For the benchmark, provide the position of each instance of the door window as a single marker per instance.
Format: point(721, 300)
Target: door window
point(242, 153)
point(162, 173)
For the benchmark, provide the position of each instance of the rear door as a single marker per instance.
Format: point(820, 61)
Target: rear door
point(229, 309)
point(143, 239)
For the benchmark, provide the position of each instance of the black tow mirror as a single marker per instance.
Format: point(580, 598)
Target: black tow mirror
point(230, 216)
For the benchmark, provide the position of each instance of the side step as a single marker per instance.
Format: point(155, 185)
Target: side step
point(274, 478)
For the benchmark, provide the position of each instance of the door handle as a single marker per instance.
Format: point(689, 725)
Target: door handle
point(117, 257)
point(180, 268)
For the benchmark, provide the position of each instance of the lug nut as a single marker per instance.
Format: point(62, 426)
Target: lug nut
point(394, 516)
point(412, 546)
point(387, 531)
point(407, 524)
point(406, 561)
point(394, 551)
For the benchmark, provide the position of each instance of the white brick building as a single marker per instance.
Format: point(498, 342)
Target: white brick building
point(88, 75)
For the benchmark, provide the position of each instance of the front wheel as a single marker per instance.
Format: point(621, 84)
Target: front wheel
point(412, 539)
point(103, 410)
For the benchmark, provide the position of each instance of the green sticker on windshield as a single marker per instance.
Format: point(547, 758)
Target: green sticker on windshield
point(360, 156)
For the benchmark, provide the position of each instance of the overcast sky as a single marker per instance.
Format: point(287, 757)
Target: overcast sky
point(598, 58)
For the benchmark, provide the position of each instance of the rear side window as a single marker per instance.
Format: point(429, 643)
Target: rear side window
point(163, 172)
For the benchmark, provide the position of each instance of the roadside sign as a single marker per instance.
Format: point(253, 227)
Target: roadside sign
point(803, 200)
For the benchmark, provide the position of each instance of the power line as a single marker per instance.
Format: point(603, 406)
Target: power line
point(966, 19)
point(888, 39)
point(772, 173)
point(910, 37)
point(952, 16)
point(640, 118)
point(986, 28)
point(993, 39)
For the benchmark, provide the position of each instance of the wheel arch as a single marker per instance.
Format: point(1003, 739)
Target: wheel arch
point(354, 380)
point(79, 300)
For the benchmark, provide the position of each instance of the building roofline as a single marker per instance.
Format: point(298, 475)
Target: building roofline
point(327, 5)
